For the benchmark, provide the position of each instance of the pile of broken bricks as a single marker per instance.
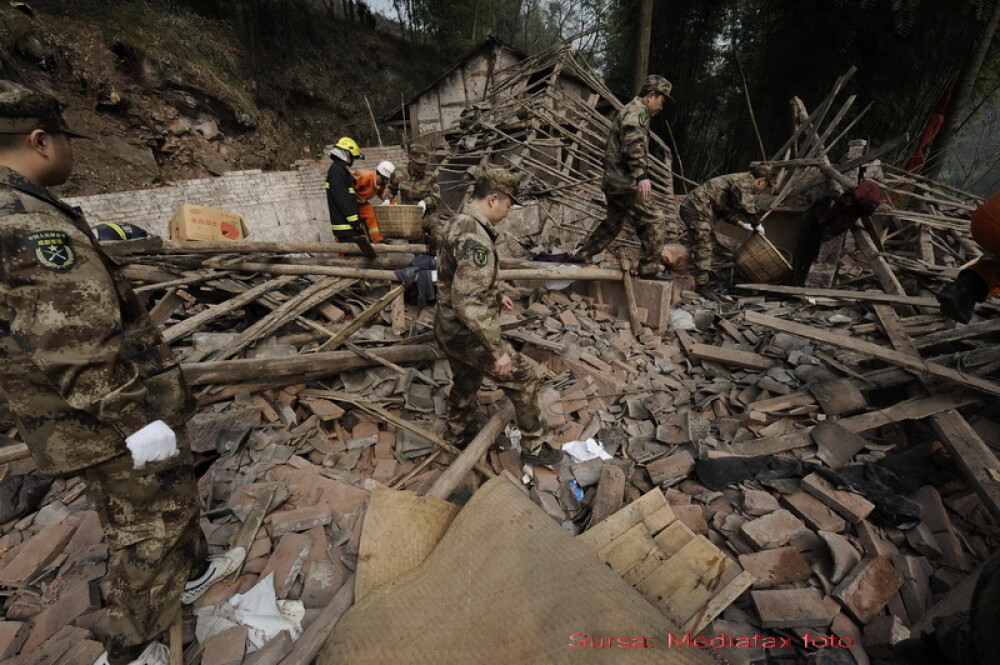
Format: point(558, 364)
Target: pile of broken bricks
point(287, 471)
point(317, 383)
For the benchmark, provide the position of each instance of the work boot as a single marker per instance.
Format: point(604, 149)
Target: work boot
point(479, 420)
point(546, 455)
point(218, 567)
point(154, 654)
point(958, 299)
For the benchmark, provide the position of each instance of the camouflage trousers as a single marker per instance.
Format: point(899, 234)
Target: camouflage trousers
point(648, 221)
point(433, 230)
point(150, 518)
point(520, 386)
point(699, 222)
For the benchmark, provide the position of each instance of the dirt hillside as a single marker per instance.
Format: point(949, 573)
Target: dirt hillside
point(170, 95)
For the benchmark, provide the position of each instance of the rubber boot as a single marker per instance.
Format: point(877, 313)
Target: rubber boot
point(958, 299)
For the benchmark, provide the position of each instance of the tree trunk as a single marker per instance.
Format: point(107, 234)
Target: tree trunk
point(643, 35)
point(963, 90)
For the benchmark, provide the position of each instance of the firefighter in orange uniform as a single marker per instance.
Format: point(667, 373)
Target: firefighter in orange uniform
point(368, 185)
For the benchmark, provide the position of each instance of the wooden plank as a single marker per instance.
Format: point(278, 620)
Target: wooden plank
point(914, 409)
point(732, 357)
point(890, 283)
point(719, 602)
point(867, 348)
point(732, 331)
point(599, 535)
point(167, 305)
point(972, 456)
point(852, 296)
point(366, 316)
point(782, 402)
point(958, 333)
point(191, 324)
point(13, 452)
point(968, 450)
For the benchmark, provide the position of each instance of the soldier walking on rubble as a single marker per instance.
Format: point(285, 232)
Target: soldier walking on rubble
point(467, 320)
point(627, 185)
point(93, 385)
point(729, 197)
point(980, 281)
point(418, 186)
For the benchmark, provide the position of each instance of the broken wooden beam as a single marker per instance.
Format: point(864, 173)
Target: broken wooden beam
point(914, 409)
point(874, 350)
point(865, 296)
point(733, 357)
point(342, 335)
point(315, 364)
point(251, 247)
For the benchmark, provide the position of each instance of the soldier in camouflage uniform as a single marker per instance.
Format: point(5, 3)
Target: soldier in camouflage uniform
point(627, 185)
point(90, 380)
point(418, 186)
point(729, 198)
point(467, 319)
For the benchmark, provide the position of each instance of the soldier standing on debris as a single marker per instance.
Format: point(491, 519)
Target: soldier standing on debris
point(93, 385)
point(467, 320)
point(418, 186)
point(367, 185)
point(728, 197)
point(341, 197)
point(980, 281)
point(627, 185)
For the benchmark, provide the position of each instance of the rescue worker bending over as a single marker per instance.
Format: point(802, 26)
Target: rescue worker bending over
point(368, 185)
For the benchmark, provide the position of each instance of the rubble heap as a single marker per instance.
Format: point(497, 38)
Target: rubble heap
point(833, 447)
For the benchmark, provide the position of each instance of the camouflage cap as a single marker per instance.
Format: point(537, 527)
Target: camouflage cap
point(23, 110)
point(419, 154)
point(656, 83)
point(499, 180)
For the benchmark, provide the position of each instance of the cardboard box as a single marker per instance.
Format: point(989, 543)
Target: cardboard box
point(195, 222)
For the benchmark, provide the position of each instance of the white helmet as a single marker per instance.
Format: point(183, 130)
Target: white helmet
point(385, 169)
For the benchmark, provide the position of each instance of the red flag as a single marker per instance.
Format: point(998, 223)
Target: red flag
point(916, 163)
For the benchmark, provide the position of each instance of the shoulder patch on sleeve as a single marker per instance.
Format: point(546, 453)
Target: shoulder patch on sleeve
point(643, 119)
point(52, 250)
point(480, 255)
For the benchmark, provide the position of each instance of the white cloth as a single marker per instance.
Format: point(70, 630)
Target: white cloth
point(153, 443)
point(423, 205)
point(581, 451)
point(747, 225)
point(759, 229)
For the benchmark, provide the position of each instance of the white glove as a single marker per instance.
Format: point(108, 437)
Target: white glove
point(153, 443)
point(423, 206)
point(747, 225)
point(386, 202)
point(759, 229)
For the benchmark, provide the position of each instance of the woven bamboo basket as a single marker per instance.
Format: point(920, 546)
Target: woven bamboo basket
point(400, 221)
point(760, 261)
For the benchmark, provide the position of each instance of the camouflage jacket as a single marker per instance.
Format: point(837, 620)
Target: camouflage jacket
point(467, 318)
point(727, 197)
point(82, 366)
point(626, 153)
point(414, 188)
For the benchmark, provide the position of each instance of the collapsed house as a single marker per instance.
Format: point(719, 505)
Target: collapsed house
point(805, 462)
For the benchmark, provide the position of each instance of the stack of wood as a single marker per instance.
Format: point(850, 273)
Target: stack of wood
point(546, 118)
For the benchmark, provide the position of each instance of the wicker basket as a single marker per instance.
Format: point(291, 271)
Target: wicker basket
point(760, 261)
point(400, 221)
